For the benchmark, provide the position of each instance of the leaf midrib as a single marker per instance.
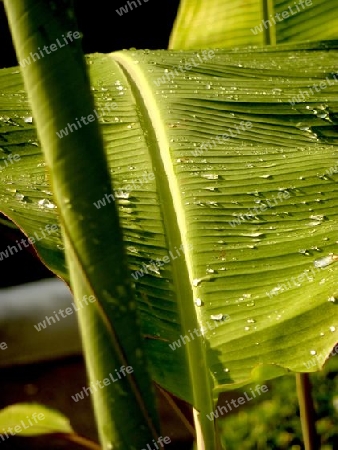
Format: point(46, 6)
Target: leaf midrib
point(175, 230)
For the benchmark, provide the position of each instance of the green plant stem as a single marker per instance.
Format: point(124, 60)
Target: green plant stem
point(270, 31)
point(108, 326)
point(86, 443)
point(306, 410)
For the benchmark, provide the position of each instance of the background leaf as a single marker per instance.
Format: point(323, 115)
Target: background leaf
point(236, 23)
point(33, 420)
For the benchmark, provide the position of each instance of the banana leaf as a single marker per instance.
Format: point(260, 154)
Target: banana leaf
point(224, 169)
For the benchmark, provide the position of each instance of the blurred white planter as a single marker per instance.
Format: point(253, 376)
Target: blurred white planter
point(24, 306)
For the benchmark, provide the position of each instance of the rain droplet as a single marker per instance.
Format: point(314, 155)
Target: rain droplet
point(45, 203)
point(212, 204)
point(317, 217)
point(217, 316)
point(326, 260)
point(210, 176)
point(313, 352)
point(332, 329)
point(198, 281)
point(198, 302)
point(19, 196)
point(122, 194)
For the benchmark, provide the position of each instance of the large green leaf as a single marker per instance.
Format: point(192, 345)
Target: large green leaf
point(165, 115)
point(234, 23)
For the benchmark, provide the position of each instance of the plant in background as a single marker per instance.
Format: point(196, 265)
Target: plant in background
point(191, 202)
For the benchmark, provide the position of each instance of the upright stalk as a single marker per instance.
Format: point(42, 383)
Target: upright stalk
point(306, 411)
point(46, 38)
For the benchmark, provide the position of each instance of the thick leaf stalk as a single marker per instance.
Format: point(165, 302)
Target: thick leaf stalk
point(58, 89)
